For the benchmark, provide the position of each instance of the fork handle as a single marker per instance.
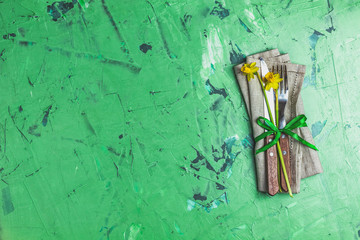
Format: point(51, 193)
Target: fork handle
point(284, 145)
point(271, 167)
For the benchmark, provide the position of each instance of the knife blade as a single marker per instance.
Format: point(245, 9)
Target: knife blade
point(271, 154)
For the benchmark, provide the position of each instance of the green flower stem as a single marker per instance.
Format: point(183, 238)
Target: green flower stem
point(279, 148)
point(277, 124)
point(284, 169)
point(266, 100)
point(276, 107)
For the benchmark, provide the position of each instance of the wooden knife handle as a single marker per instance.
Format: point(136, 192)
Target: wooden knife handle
point(271, 166)
point(284, 145)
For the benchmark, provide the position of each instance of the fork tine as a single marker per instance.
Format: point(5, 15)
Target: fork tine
point(281, 83)
point(286, 80)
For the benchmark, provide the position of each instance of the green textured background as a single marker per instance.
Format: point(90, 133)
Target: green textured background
point(123, 119)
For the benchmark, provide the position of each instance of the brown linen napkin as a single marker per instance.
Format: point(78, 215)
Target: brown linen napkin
point(304, 160)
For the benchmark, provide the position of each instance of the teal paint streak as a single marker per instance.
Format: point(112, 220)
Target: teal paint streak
point(236, 57)
point(222, 199)
point(313, 39)
point(177, 228)
point(317, 127)
point(7, 205)
point(230, 142)
point(220, 11)
point(244, 26)
point(212, 69)
point(248, 142)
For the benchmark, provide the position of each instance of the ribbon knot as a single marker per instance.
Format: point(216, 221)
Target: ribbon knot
point(299, 121)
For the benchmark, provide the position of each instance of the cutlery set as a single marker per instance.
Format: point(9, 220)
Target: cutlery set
point(272, 163)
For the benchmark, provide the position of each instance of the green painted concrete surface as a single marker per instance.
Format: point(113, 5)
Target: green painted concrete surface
point(123, 119)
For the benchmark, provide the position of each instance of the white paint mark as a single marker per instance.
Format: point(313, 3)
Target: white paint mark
point(291, 205)
point(134, 231)
point(249, 14)
point(241, 227)
point(190, 205)
point(212, 51)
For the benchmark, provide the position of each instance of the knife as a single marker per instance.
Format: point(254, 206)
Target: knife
point(271, 154)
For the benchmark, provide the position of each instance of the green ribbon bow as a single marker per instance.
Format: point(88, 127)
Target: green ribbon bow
point(299, 121)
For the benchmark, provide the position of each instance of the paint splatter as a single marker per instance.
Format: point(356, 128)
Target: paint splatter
point(215, 169)
point(317, 127)
point(205, 33)
point(213, 90)
point(244, 26)
point(330, 9)
point(313, 39)
point(198, 196)
point(9, 36)
point(7, 205)
point(33, 130)
point(26, 43)
point(220, 11)
point(134, 230)
point(184, 22)
point(226, 154)
point(32, 174)
point(331, 28)
point(162, 35)
point(145, 47)
point(45, 118)
point(217, 104)
point(58, 9)
point(220, 186)
point(288, 5)
point(178, 228)
point(22, 31)
point(131, 67)
point(230, 143)
point(123, 46)
point(2, 54)
point(88, 124)
point(248, 142)
point(222, 199)
point(236, 57)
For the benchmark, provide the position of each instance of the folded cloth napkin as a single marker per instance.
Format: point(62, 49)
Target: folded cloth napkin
point(304, 161)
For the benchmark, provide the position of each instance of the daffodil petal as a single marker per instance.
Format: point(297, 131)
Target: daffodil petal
point(255, 69)
point(252, 64)
point(275, 86)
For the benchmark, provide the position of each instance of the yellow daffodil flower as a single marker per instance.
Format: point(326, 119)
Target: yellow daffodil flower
point(249, 70)
point(272, 81)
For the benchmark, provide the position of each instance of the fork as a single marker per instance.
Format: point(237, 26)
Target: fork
point(284, 139)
